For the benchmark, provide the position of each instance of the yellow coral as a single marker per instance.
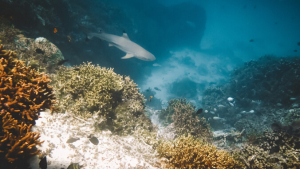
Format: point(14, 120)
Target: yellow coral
point(188, 153)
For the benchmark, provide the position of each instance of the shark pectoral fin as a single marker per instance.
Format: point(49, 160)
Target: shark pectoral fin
point(125, 35)
point(127, 56)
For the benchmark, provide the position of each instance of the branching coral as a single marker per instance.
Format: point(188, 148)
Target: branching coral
point(89, 90)
point(183, 115)
point(187, 152)
point(24, 92)
point(16, 140)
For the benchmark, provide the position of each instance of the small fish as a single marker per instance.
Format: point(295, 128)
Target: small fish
point(251, 40)
point(156, 65)
point(76, 68)
point(279, 104)
point(295, 50)
point(72, 139)
point(69, 38)
point(298, 43)
point(62, 62)
point(251, 111)
point(156, 88)
point(94, 140)
point(218, 118)
point(38, 50)
point(212, 112)
point(206, 111)
point(292, 98)
point(199, 111)
point(221, 106)
point(148, 90)
point(43, 163)
point(74, 166)
point(150, 98)
point(230, 99)
point(55, 30)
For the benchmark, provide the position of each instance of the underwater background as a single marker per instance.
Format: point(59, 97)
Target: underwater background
point(226, 77)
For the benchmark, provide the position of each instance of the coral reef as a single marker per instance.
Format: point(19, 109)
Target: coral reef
point(23, 94)
point(185, 120)
point(271, 150)
point(40, 54)
point(187, 152)
point(89, 90)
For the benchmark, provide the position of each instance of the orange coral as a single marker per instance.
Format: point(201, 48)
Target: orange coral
point(16, 140)
point(23, 91)
point(23, 94)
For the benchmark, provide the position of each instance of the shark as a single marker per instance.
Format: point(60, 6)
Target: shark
point(123, 43)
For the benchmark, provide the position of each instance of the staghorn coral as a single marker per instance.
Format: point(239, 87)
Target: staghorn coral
point(89, 90)
point(187, 152)
point(16, 140)
point(24, 92)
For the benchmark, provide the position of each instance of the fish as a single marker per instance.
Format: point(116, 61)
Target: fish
point(295, 50)
point(55, 30)
point(218, 118)
point(38, 50)
point(156, 65)
point(221, 106)
point(298, 43)
point(199, 111)
point(94, 140)
point(150, 98)
point(61, 62)
point(251, 40)
point(43, 163)
point(69, 38)
point(72, 139)
point(230, 99)
point(74, 166)
point(156, 88)
point(293, 98)
point(123, 43)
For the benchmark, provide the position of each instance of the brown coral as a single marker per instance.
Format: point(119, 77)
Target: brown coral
point(23, 91)
point(16, 140)
point(23, 94)
point(187, 152)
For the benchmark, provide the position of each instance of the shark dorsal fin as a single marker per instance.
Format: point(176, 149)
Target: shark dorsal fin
point(127, 56)
point(125, 35)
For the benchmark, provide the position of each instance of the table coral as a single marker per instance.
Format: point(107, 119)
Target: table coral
point(187, 152)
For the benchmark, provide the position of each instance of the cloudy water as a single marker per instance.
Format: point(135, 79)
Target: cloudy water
point(129, 83)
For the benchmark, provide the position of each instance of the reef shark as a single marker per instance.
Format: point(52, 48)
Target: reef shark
point(125, 44)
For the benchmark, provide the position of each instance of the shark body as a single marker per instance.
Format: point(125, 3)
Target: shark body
point(125, 44)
